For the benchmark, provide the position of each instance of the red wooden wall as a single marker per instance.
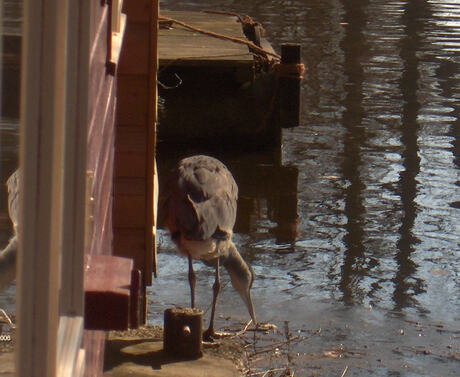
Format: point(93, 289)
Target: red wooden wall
point(100, 157)
point(121, 140)
point(135, 139)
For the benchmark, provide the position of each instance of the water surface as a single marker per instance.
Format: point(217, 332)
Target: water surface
point(353, 231)
point(370, 251)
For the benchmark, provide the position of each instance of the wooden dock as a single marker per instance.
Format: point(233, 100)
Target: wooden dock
point(216, 85)
point(181, 46)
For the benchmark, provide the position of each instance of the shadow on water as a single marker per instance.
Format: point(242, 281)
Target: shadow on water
point(277, 194)
point(354, 46)
point(406, 285)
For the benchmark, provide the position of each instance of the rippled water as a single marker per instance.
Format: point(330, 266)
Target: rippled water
point(356, 231)
point(377, 193)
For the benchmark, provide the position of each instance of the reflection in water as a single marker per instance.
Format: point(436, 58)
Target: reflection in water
point(377, 187)
point(267, 190)
point(449, 82)
point(279, 192)
point(406, 286)
point(353, 46)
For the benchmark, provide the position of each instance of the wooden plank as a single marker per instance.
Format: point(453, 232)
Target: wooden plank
point(132, 139)
point(128, 241)
point(150, 256)
point(133, 99)
point(135, 319)
point(116, 41)
point(74, 180)
point(130, 165)
point(129, 211)
point(185, 47)
point(289, 86)
point(117, 17)
point(101, 136)
point(138, 10)
point(107, 292)
point(129, 186)
point(134, 58)
point(136, 136)
point(134, 238)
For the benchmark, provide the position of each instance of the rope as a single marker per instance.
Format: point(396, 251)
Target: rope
point(289, 70)
point(219, 36)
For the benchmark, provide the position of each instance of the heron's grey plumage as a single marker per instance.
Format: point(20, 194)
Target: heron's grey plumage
point(200, 208)
point(8, 254)
point(202, 196)
point(8, 263)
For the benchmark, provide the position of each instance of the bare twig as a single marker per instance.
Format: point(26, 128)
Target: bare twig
point(278, 345)
point(265, 372)
point(241, 332)
point(344, 371)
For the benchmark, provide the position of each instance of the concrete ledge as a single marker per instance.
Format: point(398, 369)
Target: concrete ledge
point(136, 356)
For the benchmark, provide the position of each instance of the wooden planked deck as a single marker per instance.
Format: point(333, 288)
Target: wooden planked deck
point(182, 46)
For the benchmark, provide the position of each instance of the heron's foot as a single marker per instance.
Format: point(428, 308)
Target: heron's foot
point(210, 335)
point(265, 326)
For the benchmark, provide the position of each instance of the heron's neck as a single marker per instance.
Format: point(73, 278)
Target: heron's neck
point(233, 261)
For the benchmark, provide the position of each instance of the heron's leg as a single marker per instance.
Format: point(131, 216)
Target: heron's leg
point(215, 290)
point(191, 280)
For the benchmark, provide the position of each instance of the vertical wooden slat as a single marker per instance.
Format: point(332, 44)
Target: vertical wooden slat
point(40, 189)
point(136, 115)
point(74, 169)
point(151, 173)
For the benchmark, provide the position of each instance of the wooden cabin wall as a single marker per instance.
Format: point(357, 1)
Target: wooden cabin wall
point(134, 156)
point(101, 115)
point(100, 157)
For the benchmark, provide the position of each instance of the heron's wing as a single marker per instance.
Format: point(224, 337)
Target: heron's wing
point(13, 198)
point(201, 201)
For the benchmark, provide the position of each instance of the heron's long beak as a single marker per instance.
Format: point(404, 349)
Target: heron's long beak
point(247, 300)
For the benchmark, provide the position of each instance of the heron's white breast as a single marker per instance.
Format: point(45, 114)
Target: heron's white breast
point(204, 250)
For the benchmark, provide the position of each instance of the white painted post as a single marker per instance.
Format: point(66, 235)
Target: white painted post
point(38, 262)
point(74, 158)
point(52, 193)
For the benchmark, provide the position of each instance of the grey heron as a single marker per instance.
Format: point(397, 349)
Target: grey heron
point(200, 212)
point(8, 254)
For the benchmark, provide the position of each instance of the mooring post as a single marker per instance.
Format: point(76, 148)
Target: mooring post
point(290, 76)
point(183, 336)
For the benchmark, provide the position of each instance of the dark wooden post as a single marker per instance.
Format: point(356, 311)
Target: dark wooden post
point(137, 300)
point(183, 332)
point(290, 76)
